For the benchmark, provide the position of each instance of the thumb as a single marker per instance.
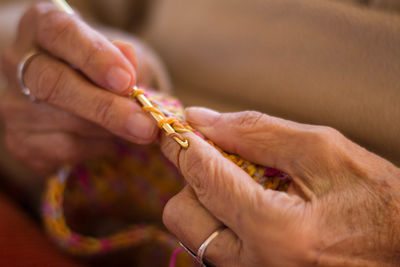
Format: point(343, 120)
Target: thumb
point(300, 150)
point(260, 138)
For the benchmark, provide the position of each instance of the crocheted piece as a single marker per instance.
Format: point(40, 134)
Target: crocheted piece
point(127, 190)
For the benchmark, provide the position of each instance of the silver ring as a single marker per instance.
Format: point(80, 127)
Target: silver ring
point(188, 250)
point(203, 247)
point(20, 74)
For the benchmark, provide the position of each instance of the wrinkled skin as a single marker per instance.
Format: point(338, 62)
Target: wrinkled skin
point(79, 78)
point(342, 210)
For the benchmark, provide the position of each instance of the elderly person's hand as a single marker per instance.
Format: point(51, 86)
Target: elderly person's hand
point(342, 209)
point(79, 78)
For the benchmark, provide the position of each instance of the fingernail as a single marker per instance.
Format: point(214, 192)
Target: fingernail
point(202, 117)
point(141, 126)
point(118, 79)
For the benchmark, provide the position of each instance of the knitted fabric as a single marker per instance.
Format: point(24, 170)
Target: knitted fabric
point(116, 202)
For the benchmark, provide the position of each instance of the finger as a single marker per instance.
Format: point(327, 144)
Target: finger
point(257, 137)
point(144, 71)
point(41, 117)
point(67, 37)
point(47, 152)
point(128, 51)
point(222, 187)
point(54, 82)
point(192, 224)
point(303, 151)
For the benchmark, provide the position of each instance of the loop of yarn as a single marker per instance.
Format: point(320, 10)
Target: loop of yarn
point(53, 208)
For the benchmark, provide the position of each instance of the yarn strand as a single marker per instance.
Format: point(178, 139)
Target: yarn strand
point(172, 112)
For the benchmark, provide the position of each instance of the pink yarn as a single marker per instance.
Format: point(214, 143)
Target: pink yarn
point(174, 256)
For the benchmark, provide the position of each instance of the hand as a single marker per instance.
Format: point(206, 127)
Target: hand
point(80, 79)
point(341, 210)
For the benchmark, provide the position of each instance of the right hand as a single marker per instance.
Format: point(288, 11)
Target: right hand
point(80, 79)
point(342, 208)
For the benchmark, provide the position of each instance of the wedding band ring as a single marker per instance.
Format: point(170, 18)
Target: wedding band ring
point(188, 250)
point(20, 74)
point(203, 247)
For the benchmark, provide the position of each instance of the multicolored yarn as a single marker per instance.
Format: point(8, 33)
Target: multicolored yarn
point(129, 186)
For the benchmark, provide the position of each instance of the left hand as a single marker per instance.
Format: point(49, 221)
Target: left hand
point(342, 208)
point(81, 80)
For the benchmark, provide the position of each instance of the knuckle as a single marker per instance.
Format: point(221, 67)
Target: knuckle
point(322, 138)
point(39, 8)
point(104, 111)
point(193, 167)
point(35, 10)
point(52, 25)
point(249, 119)
point(34, 13)
point(203, 174)
point(323, 135)
point(180, 205)
point(207, 185)
point(95, 49)
point(168, 217)
point(50, 82)
point(328, 132)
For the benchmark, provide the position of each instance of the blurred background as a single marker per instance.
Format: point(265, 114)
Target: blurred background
point(330, 62)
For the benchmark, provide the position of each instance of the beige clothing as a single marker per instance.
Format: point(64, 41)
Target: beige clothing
point(321, 62)
point(316, 61)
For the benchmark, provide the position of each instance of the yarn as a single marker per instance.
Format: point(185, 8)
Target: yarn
point(134, 175)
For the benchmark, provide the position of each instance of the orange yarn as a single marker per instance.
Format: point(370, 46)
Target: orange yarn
point(53, 212)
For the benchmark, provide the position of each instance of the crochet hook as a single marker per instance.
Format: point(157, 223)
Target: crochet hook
point(143, 100)
point(64, 6)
